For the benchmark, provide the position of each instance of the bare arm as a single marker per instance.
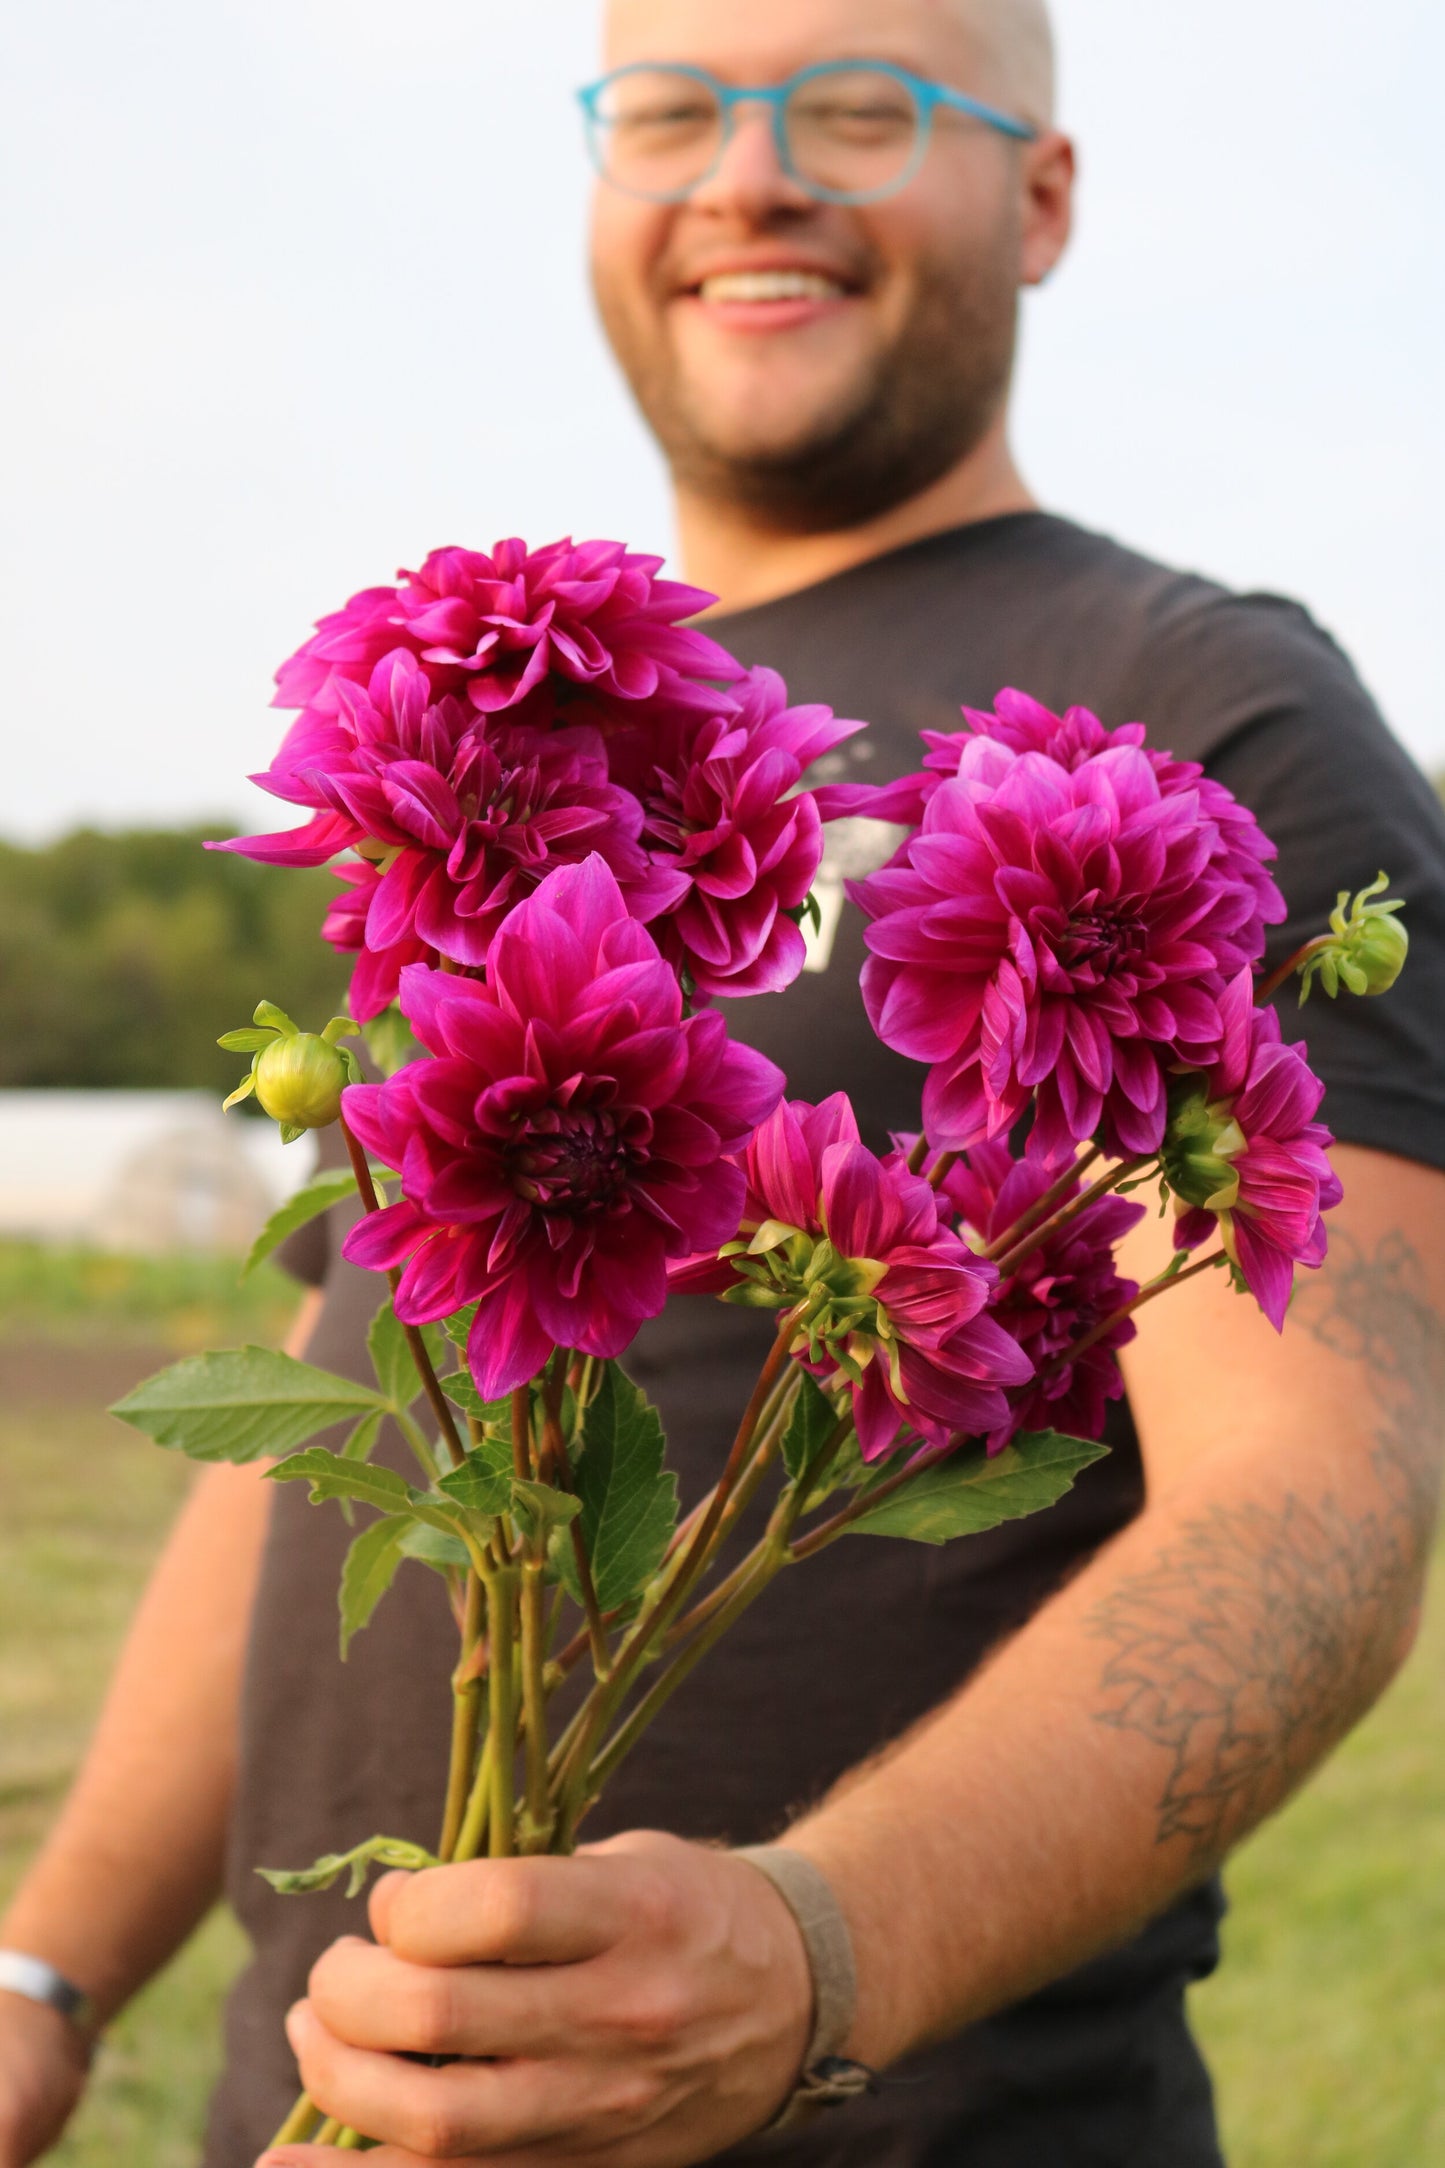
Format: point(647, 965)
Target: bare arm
point(134, 1861)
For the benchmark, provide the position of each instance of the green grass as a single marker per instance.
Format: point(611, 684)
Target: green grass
point(1324, 2026)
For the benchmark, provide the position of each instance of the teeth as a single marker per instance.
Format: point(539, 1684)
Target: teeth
point(769, 286)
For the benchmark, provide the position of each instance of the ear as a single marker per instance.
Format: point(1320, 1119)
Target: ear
point(1050, 167)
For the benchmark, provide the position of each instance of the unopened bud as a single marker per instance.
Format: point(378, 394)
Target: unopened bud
point(1201, 1143)
point(1367, 948)
point(299, 1081)
point(298, 1076)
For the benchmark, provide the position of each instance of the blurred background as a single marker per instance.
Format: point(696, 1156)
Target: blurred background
point(294, 292)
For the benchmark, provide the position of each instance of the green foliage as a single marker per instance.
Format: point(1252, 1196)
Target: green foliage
point(124, 957)
point(369, 1571)
point(810, 1425)
point(969, 1493)
point(327, 1871)
point(391, 1356)
point(332, 1476)
point(629, 1500)
point(483, 1483)
point(240, 1404)
point(308, 1204)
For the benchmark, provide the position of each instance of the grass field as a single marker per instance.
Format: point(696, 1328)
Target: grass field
point(1325, 2027)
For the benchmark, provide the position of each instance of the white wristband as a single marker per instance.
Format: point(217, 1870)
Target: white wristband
point(38, 1981)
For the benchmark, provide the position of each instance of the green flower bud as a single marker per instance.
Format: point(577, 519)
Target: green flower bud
point(299, 1081)
point(1366, 949)
point(298, 1076)
point(1200, 1143)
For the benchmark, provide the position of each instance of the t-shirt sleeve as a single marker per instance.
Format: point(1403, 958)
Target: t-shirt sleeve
point(1343, 802)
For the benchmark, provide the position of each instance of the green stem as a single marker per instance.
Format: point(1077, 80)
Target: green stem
point(942, 1168)
point(1266, 989)
point(300, 2123)
point(474, 1821)
point(466, 1711)
point(534, 1704)
point(558, 1470)
point(501, 1635)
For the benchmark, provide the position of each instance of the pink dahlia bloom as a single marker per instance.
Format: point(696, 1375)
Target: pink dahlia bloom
point(735, 844)
point(570, 1137)
point(1025, 726)
point(1056, 935)
point(889, 1297)
point(1062, 1290)
point(1259, 1102)
point(467, 815)
point(497, 625)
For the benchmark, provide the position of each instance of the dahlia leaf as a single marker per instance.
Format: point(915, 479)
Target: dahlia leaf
point(358, 1446)
point(969, 1493)
point(241, 1404)
point(299, 1211)
point(460, 1389)
point(325, 1872)
point(810, 1425)
point(332, 1477)
point(391, 1357)
point(483, 1483)
point(370, 1568)
point(540, 1508)
point(432, 1547)
point(629, 1500)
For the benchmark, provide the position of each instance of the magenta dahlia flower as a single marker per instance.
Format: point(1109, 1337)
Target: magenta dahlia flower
point(735, 844)
point(887, 1297)
point(377, 976)
point(1058, 1294)
point(1055, 935)
point(591, 617)
point(1245, 1157)
point(467, 815)
point(1025, 726)
point(570, 1137)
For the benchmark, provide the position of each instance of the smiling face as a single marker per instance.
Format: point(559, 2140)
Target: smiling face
point(820, 363)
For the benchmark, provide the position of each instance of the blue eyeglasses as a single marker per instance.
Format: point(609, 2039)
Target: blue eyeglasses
point(846, 131)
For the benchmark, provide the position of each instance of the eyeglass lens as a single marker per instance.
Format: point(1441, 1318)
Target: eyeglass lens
point(848, 131)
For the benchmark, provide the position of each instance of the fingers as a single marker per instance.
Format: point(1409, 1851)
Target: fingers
point(467, 2110)
point(374, 1999)
point(506, 1911)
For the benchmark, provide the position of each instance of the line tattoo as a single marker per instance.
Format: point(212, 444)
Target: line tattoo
point(1262, 1633)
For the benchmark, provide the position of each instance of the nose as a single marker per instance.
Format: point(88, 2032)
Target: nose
point(750, 180)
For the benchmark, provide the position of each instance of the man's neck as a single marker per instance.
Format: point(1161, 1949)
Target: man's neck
point(737, 556)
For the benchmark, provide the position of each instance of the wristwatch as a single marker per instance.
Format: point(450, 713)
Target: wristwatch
point(37, 1981)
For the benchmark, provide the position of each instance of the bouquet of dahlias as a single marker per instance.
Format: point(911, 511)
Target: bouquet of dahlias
point(569, 827)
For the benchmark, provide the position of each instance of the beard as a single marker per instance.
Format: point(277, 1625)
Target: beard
point(912, 412)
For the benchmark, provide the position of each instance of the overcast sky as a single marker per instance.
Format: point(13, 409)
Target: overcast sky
point(293, 292)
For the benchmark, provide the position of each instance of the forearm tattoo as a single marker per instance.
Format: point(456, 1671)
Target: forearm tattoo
point(1261, 1634)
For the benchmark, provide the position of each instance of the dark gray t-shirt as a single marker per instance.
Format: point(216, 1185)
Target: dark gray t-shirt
point(1098, 2071)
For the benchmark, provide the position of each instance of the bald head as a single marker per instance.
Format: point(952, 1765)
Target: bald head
point(1014, 41)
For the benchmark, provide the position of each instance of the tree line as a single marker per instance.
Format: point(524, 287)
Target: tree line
point(123, 956)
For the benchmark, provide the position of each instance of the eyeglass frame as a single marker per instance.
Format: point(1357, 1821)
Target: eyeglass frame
point(927, 97)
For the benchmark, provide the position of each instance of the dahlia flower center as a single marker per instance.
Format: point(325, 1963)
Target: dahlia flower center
point(1103, 940)
point(570, 1159)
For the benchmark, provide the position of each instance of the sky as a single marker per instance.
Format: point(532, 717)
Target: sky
point(295, 291)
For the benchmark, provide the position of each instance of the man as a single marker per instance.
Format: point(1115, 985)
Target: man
point(1020, 1847)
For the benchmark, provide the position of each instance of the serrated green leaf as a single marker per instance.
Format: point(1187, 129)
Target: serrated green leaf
point(628, 1499)
point(332, 1477)
point(970, 1493)
point(433, 1547)
point(462, 1393)
point(483, 1482)
point(811, 1424)
point(391, 1357)
point(240, 1404)
point(368, 1573)
point(299, 1211)
point(458, 1326)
